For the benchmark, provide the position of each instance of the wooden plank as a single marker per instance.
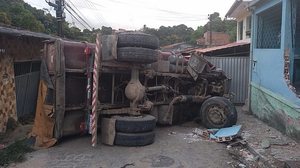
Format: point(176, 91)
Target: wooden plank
point(59, 89)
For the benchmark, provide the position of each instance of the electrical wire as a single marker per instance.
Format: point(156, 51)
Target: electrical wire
point(76, 18)
point(77, 9)
point(68, 6)
point(101, 20)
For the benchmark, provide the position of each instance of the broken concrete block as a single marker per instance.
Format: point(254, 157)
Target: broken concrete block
point(265, 143)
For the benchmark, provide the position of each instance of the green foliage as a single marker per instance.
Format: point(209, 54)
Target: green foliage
point(4, 18)
point(25, 19)
point(197, 34)
point(20, 14)
point(170, 35)
point(14, 152)
point(219, 25)
point(230, 28)
point(182, 33)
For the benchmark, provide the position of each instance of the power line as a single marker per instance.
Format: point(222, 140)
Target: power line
point(76, 18)
point(67, 4)
point(100, 17)
point(76, 8)
point(89, 5)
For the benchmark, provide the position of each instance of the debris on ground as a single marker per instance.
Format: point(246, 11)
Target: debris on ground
point(265, 143)
point(242, 165)
point(172, 133)
point(225, 134)
point(240, 152)
point(214, 135)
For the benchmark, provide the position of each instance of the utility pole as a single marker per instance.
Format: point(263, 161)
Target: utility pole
point(210, 30)
point(59, 8)
point(59, 16)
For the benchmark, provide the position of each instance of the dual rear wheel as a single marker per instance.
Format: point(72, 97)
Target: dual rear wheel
point(135, 130)
point(137, 47)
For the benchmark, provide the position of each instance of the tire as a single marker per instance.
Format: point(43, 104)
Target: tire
point(137, 139)
point(137, 39)
point(137, 55)
point(218, 112)
point(128, 124)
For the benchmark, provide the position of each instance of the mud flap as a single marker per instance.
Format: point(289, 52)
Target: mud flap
point(109, 47)
point(108, 131)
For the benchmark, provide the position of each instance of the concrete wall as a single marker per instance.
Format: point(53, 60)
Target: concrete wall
point(275, 110)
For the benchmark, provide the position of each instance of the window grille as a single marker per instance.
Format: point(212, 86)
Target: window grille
point(269, 28)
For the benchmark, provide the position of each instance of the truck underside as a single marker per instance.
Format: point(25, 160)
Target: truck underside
point(169, 90)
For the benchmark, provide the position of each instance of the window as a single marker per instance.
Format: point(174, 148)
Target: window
point(269, 28)
point(248, 27)
point(240, 37)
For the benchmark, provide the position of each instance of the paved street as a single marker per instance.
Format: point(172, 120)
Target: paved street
point(174, 147)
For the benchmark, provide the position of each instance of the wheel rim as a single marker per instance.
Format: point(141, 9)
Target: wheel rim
point(216, 115)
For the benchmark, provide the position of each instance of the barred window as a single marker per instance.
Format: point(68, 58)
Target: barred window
point(269, 28)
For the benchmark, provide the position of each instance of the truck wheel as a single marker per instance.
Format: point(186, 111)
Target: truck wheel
point(132, 124)
point(137, 139)
point(137, 39)
point(137, 55)
point(218, 112)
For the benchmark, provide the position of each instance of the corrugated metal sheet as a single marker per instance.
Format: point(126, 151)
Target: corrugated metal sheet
point(26, 92)
point(236, 68)
point(17, 32)
point(231, 45)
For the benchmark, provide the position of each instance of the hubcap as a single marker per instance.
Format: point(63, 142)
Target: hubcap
point(217, 115)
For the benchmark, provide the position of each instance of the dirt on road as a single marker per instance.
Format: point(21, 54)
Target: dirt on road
point(174, 147)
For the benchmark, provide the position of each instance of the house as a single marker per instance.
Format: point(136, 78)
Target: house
point(218, 39)
point(275, 64)
point(239, 11)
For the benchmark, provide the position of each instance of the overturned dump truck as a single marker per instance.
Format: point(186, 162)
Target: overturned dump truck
point(139, 87)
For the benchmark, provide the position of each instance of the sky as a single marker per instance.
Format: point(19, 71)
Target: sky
point(133, 14)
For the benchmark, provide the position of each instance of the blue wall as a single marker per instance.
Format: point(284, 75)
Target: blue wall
point(268, 64)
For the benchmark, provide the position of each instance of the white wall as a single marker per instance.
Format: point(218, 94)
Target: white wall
point(245, 18)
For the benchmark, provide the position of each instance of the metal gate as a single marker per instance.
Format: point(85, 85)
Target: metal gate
point(236, 68)
point(27, 83)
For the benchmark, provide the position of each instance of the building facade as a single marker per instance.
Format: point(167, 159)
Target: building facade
point(217, 39)
point(240, 12)
point(275, 64)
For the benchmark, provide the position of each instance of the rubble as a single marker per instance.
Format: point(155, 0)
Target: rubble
point(265, 144)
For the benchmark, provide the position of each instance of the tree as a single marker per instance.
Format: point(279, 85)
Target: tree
point(25, 19)
point(4, 18)
point(219, 25)
point(230, 28)
point(170, 35)
point(197, 34)
point(106, 30)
